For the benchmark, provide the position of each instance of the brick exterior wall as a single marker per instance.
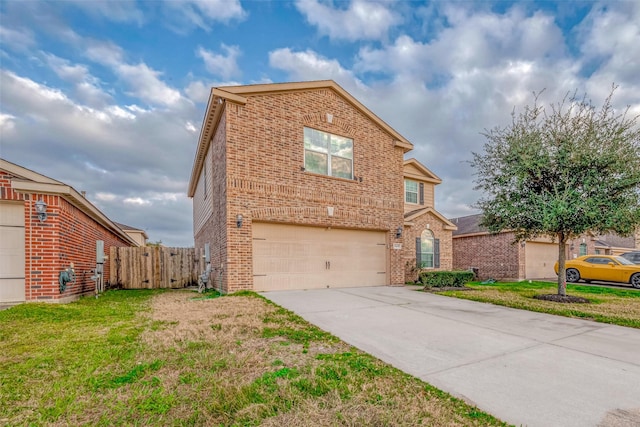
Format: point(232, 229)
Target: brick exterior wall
point(409, 248)
point(258, 172)
point(495, 256)
point(67, 236)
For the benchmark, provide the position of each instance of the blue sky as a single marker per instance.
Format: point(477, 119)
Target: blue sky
point(109, 96)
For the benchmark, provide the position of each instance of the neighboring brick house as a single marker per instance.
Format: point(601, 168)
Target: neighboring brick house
point(428, 234)
point(497, 256)
point(298, 186)
point(33, 253)
point(139, 236)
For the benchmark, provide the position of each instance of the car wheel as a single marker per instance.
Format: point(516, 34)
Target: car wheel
point(635, 280)
point(573, 275)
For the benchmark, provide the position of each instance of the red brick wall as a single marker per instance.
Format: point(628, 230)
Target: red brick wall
point(409, 248)
point(495, 256)
point(265, 180)
point(67, 236)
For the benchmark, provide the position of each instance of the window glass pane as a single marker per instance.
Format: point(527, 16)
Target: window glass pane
point(315, 162)
point(316, 140)
point(410, 191)
point(342, 147)
point(410, 197)
point(341, 168)
point(426, 249)
point(583, 249)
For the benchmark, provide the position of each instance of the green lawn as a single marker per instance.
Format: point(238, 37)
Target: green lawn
point(607, 305)
point(177, 358)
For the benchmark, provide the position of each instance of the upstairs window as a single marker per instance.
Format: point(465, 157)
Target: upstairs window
point(410, 191)
point(328, 154)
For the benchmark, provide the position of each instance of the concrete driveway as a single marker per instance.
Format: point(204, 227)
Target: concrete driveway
point(525, 368)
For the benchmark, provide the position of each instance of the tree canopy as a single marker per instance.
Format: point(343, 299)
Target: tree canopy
point(561, 171)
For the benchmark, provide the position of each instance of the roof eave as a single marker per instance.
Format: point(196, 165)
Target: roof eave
point(73, 197)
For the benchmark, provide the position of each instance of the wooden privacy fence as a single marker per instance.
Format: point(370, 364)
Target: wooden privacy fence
point(152, 267)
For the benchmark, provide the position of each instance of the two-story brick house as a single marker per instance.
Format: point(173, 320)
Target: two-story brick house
point(299, 186)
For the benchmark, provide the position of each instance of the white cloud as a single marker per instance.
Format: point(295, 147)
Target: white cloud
point(362, 20)
point(106, 197)
point(136, 201)
point(223, 65)
point(188, 126)
point(6, 123)
point(118, 11)
point(308, 65)
point(145, 84)
point(102, 52)
point(198, 91)
point(186, 14)
point(18, 39)
point(86, 87)
point(610, 37)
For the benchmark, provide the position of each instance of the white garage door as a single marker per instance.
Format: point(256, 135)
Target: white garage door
point(11, 252)
point(540, 259)
point(297, 257)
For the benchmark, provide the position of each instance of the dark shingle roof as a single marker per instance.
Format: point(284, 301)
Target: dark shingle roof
point(616, 241)
point(468, 225)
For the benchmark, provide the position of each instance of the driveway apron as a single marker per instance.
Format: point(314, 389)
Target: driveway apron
point(526, 368)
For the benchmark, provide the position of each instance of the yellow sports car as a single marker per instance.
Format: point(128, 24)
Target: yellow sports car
point(602, 267)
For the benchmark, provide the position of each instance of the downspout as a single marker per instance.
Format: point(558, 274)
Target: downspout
point(30, 249)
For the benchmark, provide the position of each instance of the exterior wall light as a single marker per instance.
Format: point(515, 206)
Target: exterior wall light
point(399, 233)
point(41, 210)
point(239, 220)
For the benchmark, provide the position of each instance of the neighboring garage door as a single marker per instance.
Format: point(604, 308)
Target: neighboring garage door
point(11, 252)
point(298, 257)
point(540, 259)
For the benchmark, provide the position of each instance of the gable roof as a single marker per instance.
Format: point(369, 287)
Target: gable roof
point(126, 228)
point(238, 94)
point(416, 170)
point(410, 216)
point(28, 181)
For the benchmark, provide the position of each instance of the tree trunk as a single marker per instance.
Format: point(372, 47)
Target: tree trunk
point(562, 256)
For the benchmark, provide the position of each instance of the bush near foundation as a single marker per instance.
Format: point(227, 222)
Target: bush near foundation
point(445, 279)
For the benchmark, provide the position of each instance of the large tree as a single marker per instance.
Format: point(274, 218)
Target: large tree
point(561, 171)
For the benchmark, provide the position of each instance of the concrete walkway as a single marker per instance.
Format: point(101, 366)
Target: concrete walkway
point(525, 368)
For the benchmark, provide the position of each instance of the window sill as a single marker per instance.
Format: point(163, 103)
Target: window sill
point(353, 180)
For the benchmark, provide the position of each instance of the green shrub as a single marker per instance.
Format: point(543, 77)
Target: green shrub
point(442, 279)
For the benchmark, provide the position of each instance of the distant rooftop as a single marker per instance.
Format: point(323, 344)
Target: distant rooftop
point(471, 225)
point(468, 225)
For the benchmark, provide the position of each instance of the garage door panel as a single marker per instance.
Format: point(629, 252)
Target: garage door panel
point(12, 254)
point(540, 259)
point(299, 257)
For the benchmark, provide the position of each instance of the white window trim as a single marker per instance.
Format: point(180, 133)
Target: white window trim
point(416, 192)
point(329, 155)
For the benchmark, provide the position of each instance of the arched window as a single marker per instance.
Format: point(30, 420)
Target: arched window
point(583, 249)
point(427, 250)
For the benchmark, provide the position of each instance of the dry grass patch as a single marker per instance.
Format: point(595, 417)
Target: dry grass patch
point(236, 360)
